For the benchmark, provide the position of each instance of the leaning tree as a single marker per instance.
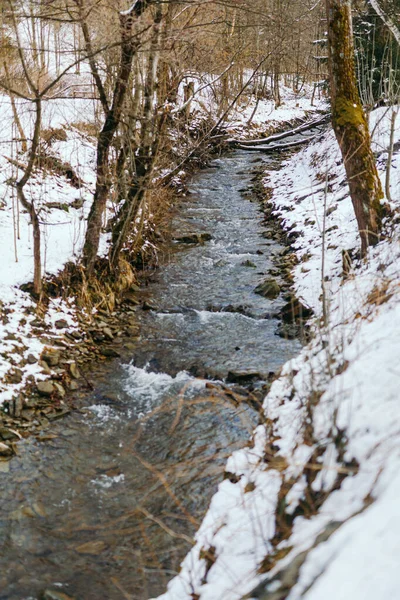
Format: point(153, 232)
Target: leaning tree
point(351, 127)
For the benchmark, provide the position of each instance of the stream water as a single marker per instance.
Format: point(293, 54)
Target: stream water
point(103, 504)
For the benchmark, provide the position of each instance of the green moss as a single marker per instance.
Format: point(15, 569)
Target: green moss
point(348, 113)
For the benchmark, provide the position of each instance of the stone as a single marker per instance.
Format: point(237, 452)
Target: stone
point(295, 311)
point(130, 298)
point(74, 371)
point(242, 377)
point(61, 324)
point(193, 238)
point(45, 367)
point(269, 289)
point(8, 434)
point(73, 386)
point(14, 376)
point(59, 389)
point(5, 450)
point(109, 353)
point(76, 335)
point(148, 306)
point(16, 406)
point(31, 359)
point(108, 333)
point(45, 388)
point(249, 263)
point(97, 335)
point(288, 331)
point(51, 356)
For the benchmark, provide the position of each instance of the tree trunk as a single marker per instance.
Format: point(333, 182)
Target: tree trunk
point(29, 206)
point(103, 181)
point(350, 125)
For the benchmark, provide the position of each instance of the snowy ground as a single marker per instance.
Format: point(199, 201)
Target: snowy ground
point(315, 505)
point(62, 228)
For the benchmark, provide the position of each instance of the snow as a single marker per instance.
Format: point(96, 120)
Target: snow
point(348, 436)
point(62, 230)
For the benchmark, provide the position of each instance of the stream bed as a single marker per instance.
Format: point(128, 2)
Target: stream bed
point(103, 504)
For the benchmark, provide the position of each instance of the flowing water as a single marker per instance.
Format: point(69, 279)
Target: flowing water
point(103, 504)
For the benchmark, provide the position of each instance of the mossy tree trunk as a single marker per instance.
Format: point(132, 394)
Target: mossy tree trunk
point(350, 125)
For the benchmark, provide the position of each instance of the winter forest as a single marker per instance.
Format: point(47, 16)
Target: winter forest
point(199, 299)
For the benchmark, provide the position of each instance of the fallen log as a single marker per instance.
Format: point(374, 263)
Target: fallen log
point(281, 136)
point(277, 147)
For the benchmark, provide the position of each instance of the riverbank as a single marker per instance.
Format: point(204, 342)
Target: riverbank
point(309, 510)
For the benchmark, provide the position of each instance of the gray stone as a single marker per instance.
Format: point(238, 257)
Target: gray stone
point(31, 359)
point(108, 333)
point(74, 371)
point(269, 289)
point(45, 388)
point(61, 324)
point(109, 353)
point(51, 357)
point(194, 238)
point(5, 450)
point(7, 434)
point(59, 389)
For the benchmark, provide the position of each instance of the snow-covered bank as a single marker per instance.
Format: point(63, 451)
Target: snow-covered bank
point(68, 134)
point(310, 510)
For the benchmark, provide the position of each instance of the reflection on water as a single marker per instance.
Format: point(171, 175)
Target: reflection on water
point(104, 505)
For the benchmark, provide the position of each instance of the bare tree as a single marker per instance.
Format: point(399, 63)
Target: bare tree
point(129, 46)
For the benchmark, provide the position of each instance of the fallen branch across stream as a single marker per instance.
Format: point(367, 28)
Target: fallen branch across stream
point(285, 134)
point(278, 147)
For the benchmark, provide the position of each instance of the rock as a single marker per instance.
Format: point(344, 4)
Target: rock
point(269, 289)
point(148, 306)
point(193, 238)
point(16, 406)
point(28, 414)
point(5, 450)
point(74, 371)
point(51, 356)
point(249, 263)
point(61, 324)
point(288, 331)
point(45, 367)
point(8, 434)
point(94, 548)
point(45, 388)
point(73, 386)
point(109, 353)
point(242, 377)
point(108, 333)
point(130, 298)
point(14, 376)
point(31, 359)
point(59, 389)
point(54, 595)
point(11, 336)
point(76, 335)
point(97, 335)
point(295, 311)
